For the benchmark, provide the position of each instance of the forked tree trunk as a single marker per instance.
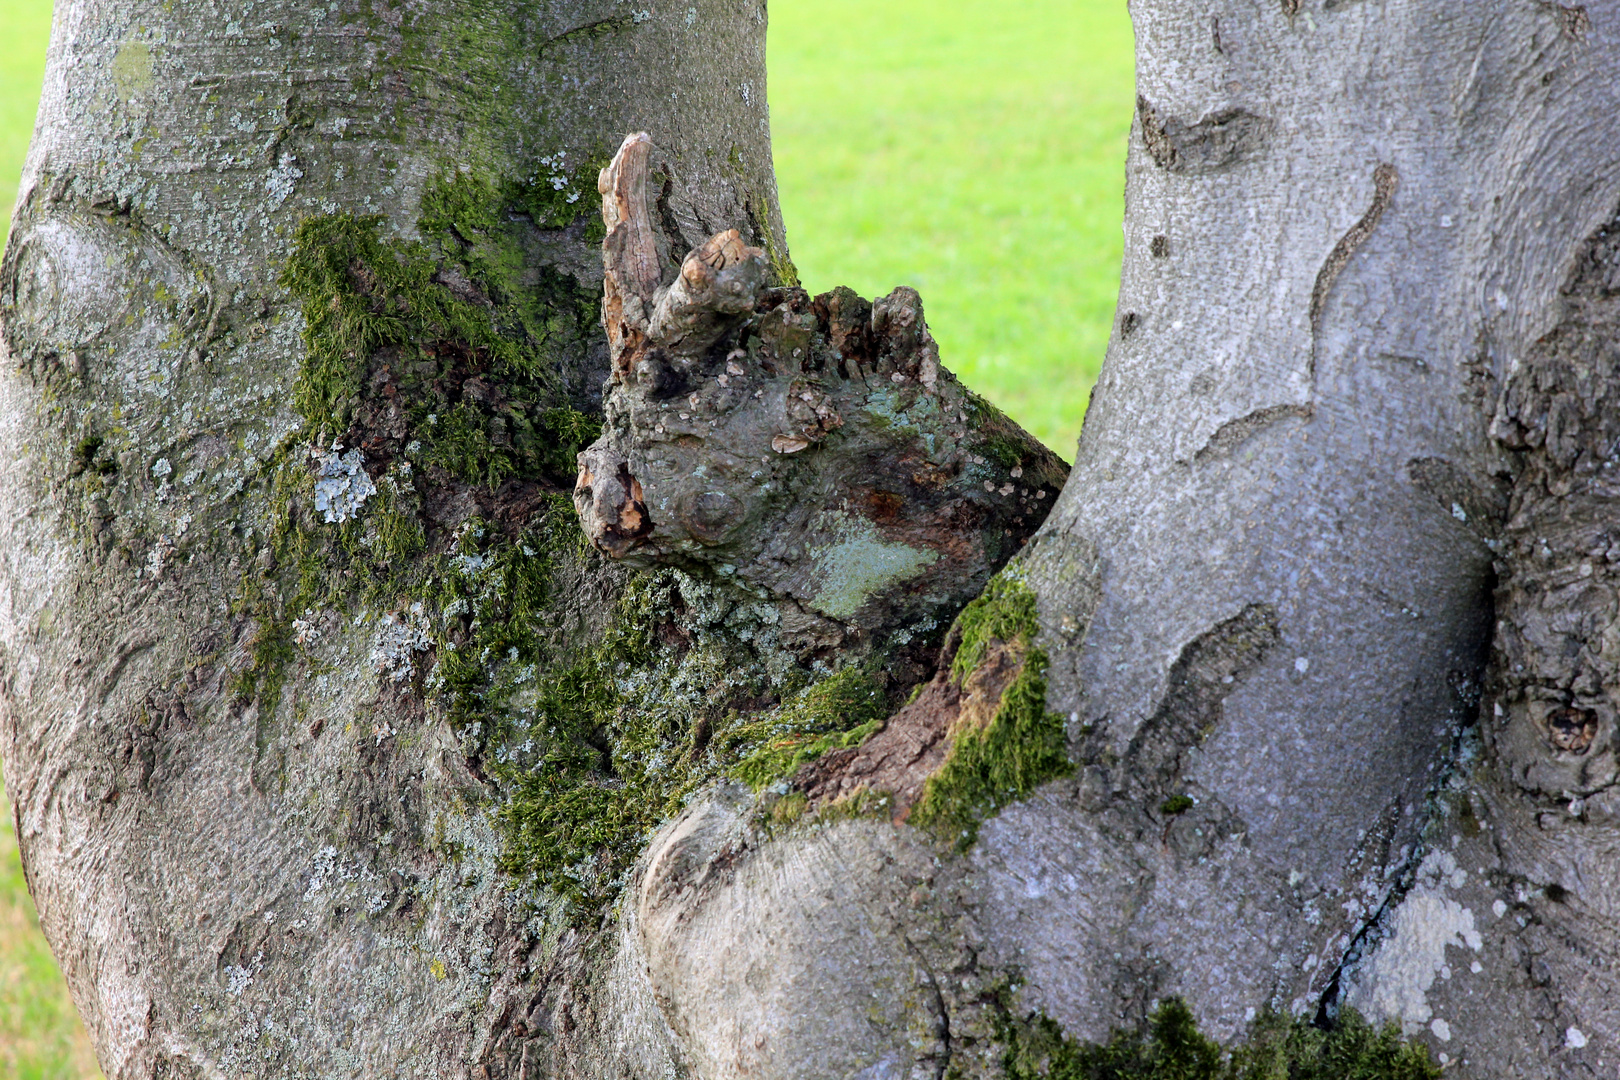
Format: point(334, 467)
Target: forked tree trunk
point(334, 751)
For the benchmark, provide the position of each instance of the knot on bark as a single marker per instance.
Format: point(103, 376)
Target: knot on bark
point(810, 449)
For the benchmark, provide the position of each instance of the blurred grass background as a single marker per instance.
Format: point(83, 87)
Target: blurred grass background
point(973, 149)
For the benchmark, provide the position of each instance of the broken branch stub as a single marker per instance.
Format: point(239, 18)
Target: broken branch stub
point(809, 449)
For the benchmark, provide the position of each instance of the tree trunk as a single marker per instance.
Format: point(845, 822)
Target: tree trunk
point(335, 751)
point(253, 853)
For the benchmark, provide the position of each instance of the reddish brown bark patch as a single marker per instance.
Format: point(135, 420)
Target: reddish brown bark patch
point(914, 743)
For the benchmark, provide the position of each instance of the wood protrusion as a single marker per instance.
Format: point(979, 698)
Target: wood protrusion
point(1384, 180)
point(718, 283)
point(616, 503)
point(629, 252)
point(809, 449)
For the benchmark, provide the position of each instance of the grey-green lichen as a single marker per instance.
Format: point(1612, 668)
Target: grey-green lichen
point(593, 700)
point(1276, 1047)
point(1024, 744)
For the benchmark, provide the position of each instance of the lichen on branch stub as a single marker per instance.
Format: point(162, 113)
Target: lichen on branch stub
point(809, 449)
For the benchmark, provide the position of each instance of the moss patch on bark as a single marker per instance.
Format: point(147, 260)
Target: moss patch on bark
point(686, 685)
point(1024, 744)
point(1171, 1047)
point(592, 700)
point(466, 362)
point(837, 712)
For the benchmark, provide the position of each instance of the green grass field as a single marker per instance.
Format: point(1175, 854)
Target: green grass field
point(974, 149)
point(971, 148)
point(25, 27)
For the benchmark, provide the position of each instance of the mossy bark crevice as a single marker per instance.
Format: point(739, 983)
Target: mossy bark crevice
point(1171, 1047)
point(974, 738)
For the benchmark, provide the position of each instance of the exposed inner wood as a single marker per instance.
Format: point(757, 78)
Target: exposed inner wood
point(914, 743)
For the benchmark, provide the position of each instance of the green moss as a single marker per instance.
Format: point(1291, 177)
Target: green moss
point(271, 651)
point(88, 458)
point(1176, 804)
point(553, 197)
point(1023, 746)
point(1004, 611)
point(1281, 1048)
point(789, 809)
point(596, 715)
point(627, 732)
point(1171, 1047)
point(1004, 442)
point(838, 712)
point(473, 348)
point(475, 352)
point(782, 268)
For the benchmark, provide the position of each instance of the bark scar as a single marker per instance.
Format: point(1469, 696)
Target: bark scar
point(1230, 434)
point(1384, 180)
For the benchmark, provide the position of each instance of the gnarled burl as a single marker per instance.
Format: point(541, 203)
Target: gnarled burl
point(808, 449)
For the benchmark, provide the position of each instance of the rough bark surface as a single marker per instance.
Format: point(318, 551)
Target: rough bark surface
point(1358, 236)
point(1322, 625)
point(811, 450)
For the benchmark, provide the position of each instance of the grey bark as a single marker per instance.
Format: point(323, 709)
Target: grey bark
point(1353, 406)
point(1334, 561)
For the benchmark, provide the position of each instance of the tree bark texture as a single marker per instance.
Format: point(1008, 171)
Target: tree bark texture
point(1299, 700)
point(209, 869)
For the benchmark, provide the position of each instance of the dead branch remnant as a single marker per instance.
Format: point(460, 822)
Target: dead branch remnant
point(811, 449)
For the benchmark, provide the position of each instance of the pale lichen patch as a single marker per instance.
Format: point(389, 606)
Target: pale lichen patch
point(342, 485)
point(400, 636)
point(859, 564)
point(1394, 982)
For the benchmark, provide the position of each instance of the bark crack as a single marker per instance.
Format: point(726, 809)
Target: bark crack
point(1233, 433)
point(599, 28)
point(1200, 680)
point(1216, 142)
point(1385, 178)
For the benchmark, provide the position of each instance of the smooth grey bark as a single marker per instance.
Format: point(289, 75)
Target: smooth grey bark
point(1333, 562)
